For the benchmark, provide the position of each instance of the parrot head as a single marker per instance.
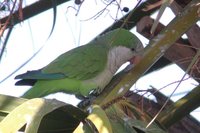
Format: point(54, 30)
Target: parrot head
point(126, 43)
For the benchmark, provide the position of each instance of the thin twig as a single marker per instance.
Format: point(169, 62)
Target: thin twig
point(193, 62)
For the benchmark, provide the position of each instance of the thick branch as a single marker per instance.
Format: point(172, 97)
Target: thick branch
point(180, 53)
point(180, 108)
point(194, 32)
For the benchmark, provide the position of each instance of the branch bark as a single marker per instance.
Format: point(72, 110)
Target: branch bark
point(194, 32)
point(32, 10)
point(181, 52)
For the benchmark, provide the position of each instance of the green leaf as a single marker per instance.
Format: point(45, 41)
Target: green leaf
point(85, 127)
point(8, 103)
point(30, 112)
point(99, 118)
point(141, 126)
point(122, 122)
point(65, 118)
point(118, 120)
point(39, 115)
point(96, 121)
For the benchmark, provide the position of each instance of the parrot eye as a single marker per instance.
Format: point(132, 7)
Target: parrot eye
point(133, 49)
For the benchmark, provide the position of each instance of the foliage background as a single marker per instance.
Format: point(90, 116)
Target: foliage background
point(65, 21)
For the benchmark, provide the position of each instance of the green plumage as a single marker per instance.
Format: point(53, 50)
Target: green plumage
point(82, 69)
point(81, 63)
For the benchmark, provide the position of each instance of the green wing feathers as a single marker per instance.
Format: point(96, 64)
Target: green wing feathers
point(66, 73)
point(81, 63)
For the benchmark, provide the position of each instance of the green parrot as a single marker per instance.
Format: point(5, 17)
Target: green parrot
point(85, 68)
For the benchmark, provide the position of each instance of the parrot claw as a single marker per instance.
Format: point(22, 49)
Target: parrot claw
point(86, 102)
point(96, 92)
point(80, 97)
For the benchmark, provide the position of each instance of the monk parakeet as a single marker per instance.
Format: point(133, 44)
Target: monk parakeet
point(85, 68)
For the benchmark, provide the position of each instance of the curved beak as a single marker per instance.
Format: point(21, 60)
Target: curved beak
point(138, 54)
point(135, 59)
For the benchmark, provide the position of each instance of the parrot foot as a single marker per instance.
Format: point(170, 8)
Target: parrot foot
point(96, 93)
point(80, 97)
point(86, 101)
